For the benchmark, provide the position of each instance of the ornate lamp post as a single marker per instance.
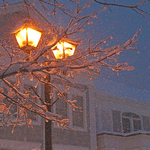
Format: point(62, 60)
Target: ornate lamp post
point(28, 37)
point(61, 50)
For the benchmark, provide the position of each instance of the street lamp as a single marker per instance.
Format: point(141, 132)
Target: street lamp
point(61, 50)
point(27, 36)
point(64, 48)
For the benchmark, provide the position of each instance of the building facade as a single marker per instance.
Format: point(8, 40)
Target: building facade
point(123, 122)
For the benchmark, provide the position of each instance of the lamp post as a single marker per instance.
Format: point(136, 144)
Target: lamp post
point(61, 50)
point(28, 37)
point(48, 123)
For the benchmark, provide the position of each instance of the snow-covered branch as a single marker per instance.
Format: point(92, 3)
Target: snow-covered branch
point(21, 74)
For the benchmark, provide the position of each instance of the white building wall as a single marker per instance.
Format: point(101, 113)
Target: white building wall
point(106, 103)
point(139, 141)
point(92, 104)
point(68, 147)
point(19, 145)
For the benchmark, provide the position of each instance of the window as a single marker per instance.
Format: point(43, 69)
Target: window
point(4, 116)
point(146, 123)
point(31, 115)
point(126, 125)
point(61, 107)
point(126, 122)
point(13, 108)
point(116, 115)
point(130, 122)
point(78, 116)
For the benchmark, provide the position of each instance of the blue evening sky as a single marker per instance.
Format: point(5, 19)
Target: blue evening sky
point(122, 24)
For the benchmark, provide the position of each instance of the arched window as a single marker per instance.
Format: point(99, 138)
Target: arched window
point(130, 122)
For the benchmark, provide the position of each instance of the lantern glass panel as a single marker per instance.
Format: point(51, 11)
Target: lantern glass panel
point(28, 37)
point(69, 49)
point(21, 38)
point(33, 37)
point(58, 52)
point(63, 47)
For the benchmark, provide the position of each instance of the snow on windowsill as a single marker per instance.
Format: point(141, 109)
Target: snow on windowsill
point(124, 134)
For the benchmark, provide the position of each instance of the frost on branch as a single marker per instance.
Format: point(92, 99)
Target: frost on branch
point(136, 7)
point(23, 76)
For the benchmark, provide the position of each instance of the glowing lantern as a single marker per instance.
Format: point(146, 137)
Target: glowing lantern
point(27, 36)
point(64, 48)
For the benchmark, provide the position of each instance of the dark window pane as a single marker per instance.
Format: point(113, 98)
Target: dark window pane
point(146, 123)
point(61, 107)
point(77, 118)
point(78, 113)
point(30, 101)
point(62, 112)
point(137, 125)
point(126, 125)
point(79, 102)
point(61, 103)
point(116, 121)
point(13, 107)
point(126, 130)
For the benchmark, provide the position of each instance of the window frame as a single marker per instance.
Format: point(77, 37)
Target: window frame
point(37, 121)
point(70, 92)
point(66, 108)
point(78, 112)
point(131, 120)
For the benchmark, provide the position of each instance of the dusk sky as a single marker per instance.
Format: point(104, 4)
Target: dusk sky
point(122, 24)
